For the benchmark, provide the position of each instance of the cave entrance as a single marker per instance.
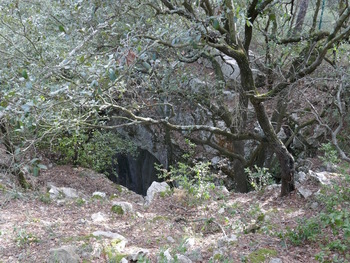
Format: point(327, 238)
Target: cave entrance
point(136, 173)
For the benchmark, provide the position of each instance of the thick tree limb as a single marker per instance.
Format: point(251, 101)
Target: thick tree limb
point(190, 128)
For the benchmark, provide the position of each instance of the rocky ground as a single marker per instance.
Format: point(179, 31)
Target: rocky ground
point(76, 214)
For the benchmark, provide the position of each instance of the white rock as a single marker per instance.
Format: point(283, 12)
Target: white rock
point(170, 239)
point(223, 190)
point(54, 193)
point(167, 255)
point(155, 187)
point(99, 194)
point(275, 260)
point(65, 254)
point(108, 234)
point(69, 192)
point(124, 260)
point(221, 210)
point(304, 192)
point(98, 217)
point(320, 178)
point(127, 207)
point(301, 177)
point(189, 243)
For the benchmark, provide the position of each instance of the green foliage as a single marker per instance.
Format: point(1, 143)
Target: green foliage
point(331, 228)
point(330, 154)
point(95, 150)
point(261, 255)
point(259, 177)
point(196, 180)
point(24, 238)
point(117, 209)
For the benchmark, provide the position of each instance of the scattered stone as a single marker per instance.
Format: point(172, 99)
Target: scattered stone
point(108, 234)
point(167, 255)
point(62, 192)
point(301, 177)
point(122, 208)
point(183, 259)
point(275, 260)
point(141, 253)
point(99, 195)
point(124, 260)
point(223, 190)
point(54, 192)
point(320, 178)
point(314, 205)
point(170, 239)
point(69, 192)
point(221, 210)
point(215, 160)
point(189, 243)
point(156, 187)
point(306, 193)
point(227, 240)
point(65, 254)
point(98, 217)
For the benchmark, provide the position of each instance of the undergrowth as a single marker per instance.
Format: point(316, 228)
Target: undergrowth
point(330, 229)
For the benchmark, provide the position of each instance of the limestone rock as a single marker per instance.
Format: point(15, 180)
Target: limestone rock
point(304, 192)
point(168, 256)
point(65, 254)
point(189, 243)
point(99, 194)
point(170, 239)
point(69, 192)
point(108, 234)
point(156, 187)
point(301, 177)
point(125, 207)
point(275, 260)
point(98, 217)
point(320, 178)
point(62, 192)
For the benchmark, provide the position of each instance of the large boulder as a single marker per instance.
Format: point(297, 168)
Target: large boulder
point(154, 189)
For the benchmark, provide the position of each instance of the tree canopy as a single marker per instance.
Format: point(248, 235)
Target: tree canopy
point(69, 67)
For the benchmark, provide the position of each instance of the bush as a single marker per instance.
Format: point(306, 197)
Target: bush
point(93, 150)
point(259, 178)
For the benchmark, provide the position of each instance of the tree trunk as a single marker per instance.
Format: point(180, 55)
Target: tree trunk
point(301, 16)
point(284, 157)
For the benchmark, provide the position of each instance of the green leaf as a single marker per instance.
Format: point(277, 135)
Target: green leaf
point(112, 75)
point(216, 24)
point(24, 74)
point(36, 171)
point(61, 28)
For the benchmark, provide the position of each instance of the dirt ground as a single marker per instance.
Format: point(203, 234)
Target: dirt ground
point(32, 223)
